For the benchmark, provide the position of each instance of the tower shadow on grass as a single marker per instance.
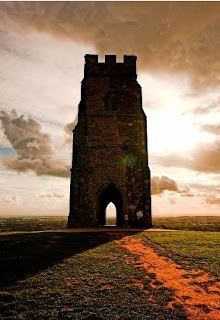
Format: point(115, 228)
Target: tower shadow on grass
point(26, 254)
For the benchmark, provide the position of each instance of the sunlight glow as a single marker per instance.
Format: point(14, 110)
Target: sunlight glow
point(167, 104)
point(174, 133)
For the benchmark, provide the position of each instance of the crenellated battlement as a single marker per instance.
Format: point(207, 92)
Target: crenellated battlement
point(110, 66)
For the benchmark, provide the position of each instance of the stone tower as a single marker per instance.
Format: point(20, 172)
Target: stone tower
point(110, 158)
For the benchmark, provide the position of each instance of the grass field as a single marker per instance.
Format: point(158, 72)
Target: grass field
point(200, 223)
point(32, 223)
point(109, 275)
point(76, 276)
point(191, 249)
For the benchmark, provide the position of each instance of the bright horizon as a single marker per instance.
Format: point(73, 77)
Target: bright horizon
point(41, 73)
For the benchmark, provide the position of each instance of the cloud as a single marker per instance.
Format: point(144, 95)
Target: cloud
point(205, 157)
point(211, 128)
point(69, 132)
point(206, 188)
point(213, 200)
point(177, 37)
point(185, 192)
point(52, 195)
point(10, 200)
point(159, 185)
point(188, 195)
point(33, 148)
point(204, 110)
point(210, 192)
point(171, 160)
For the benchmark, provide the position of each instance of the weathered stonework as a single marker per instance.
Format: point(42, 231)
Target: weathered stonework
point(110, 159)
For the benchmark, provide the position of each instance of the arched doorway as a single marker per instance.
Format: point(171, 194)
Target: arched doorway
point(111, 215)
point(110, 194)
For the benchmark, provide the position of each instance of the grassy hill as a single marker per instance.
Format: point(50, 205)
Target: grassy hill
point(205, 223)
point(109, 275)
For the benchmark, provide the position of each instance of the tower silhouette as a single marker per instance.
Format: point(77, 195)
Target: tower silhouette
point(110, 157)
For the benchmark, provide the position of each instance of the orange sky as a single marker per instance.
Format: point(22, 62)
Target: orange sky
point(42, 48)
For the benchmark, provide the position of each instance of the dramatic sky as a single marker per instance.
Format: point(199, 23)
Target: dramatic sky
point(42, 48)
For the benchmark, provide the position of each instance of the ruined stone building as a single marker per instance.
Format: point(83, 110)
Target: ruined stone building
point(110, 157)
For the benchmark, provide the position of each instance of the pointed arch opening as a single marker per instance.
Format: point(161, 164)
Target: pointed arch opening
point(111, 214)
point(109, 195)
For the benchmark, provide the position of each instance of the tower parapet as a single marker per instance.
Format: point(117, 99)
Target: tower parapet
point(110, 66)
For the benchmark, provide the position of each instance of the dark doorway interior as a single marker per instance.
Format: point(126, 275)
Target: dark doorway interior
point(110, 194)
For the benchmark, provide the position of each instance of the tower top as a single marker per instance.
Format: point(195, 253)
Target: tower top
point(110, 66)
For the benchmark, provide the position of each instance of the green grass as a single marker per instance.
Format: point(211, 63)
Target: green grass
point(25, 254)
point(69, 278)
point(192, 249)
point(206, 223)
point(200, 223)
point(32, 223)
point(63, 275)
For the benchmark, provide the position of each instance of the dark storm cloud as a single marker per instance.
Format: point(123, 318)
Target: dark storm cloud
point(205, 157)
point(171, 36)
point(33, 148)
